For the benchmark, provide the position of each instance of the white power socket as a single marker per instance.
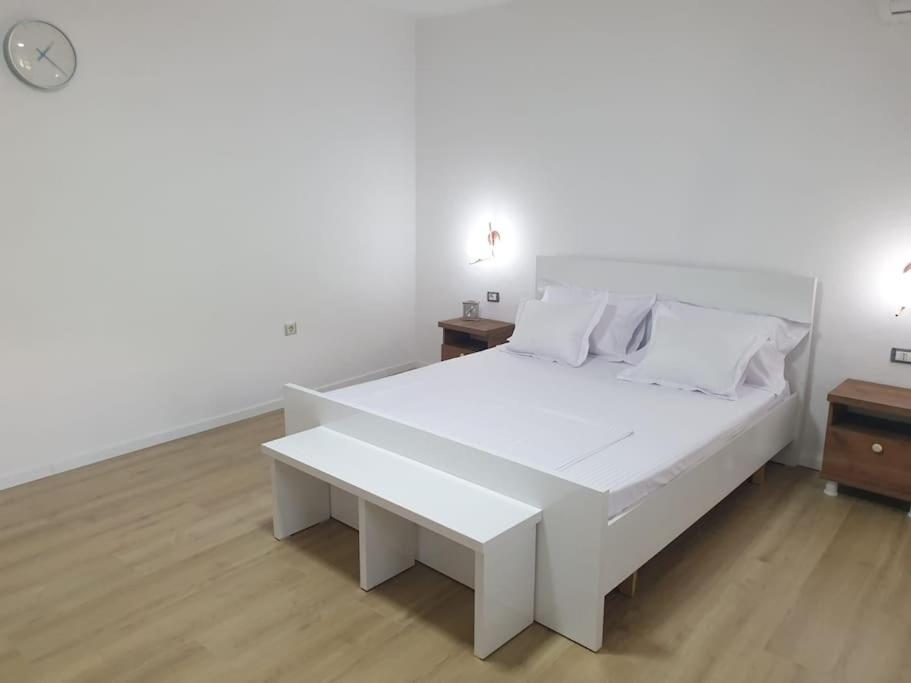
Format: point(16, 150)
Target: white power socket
point(290, 329)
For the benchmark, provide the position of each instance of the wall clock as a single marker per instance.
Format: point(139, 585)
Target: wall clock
point(40, 55)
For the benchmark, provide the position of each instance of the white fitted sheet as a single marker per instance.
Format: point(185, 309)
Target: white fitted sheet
point(583, 424)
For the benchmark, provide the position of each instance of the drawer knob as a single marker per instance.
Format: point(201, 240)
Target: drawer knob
point(878, 449)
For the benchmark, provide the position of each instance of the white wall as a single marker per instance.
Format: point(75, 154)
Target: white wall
point(214, 169)
point(772, 135)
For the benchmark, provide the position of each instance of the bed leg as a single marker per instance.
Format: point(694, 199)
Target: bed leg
point(628, 587)
point(759, 477)
point(568, 571)
point(563, 604)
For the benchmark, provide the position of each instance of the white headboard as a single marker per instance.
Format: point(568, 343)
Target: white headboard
point(748, 291)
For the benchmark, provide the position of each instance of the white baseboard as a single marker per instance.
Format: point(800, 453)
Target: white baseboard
point(32, 474)
point(25, 476)
point(370, 376)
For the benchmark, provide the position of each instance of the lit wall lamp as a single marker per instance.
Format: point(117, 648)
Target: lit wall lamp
point(493, 239)
point(905, 290)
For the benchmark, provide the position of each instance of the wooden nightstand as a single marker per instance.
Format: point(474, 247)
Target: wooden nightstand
point(461, 337)
point(868, 440)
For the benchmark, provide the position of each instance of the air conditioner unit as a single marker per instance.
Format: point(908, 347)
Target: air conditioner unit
point(895, 11)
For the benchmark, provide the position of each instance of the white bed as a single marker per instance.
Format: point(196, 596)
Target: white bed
point(629, 439)
point(539, 433)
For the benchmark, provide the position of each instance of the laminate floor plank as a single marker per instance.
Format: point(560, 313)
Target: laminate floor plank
point(161, 566)
point(817, 627)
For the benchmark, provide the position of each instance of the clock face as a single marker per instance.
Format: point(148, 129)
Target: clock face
point(40, 55)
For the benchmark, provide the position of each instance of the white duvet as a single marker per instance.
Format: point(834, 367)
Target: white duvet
point(581, 423)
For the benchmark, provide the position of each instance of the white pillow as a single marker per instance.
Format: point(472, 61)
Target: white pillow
point(705, 358)
point(567, 294)
point(616, 333)
point(640, 341)
point(785, 335)
point(556, 332)
point(625, 330)
point(766, 370)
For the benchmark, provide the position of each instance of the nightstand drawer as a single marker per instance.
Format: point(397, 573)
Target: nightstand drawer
point(450, 352)
point(863, 458)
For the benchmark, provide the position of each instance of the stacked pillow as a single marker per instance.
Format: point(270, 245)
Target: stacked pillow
point(571, 322)
point(690, 347)
point(621, 327)
point(715, 351)
point(556, 332)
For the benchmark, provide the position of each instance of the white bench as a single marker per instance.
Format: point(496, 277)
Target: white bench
point(397, 494)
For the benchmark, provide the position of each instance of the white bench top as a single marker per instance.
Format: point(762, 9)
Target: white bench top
point(460, 510)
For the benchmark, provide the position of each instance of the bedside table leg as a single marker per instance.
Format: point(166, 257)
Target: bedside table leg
point(831, 489)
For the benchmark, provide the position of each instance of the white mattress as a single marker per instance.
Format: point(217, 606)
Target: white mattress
point(579, 423)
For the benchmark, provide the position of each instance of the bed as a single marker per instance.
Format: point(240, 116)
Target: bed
point(523, 410)
point(618, 470)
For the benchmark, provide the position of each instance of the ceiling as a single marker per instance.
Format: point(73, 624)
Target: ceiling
point(436, 6)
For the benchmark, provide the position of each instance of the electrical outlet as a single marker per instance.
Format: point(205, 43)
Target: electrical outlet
point(493, 297)
point(290, 329)
point(901, 356)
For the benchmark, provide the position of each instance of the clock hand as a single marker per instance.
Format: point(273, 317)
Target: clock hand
point(57, 66)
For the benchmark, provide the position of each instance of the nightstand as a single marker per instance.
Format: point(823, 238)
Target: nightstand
point(868, 439)
point(461, 337)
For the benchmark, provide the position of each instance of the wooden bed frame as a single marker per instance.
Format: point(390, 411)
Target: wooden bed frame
point(581, 553)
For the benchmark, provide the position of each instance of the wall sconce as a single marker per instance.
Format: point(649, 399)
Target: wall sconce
point(905, 290)
point(493, 239)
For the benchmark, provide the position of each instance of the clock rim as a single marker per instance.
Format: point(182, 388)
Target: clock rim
point(8, 56)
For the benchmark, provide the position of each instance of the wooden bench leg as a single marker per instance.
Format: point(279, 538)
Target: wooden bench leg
point(504, 589)
point(388, 544)
point(759, 477)
point(299, 501)
point(628, 587)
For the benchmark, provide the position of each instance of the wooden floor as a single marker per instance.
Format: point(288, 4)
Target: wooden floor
point(161, 566)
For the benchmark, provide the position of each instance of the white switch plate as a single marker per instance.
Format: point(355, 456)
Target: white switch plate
point(290, 329)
